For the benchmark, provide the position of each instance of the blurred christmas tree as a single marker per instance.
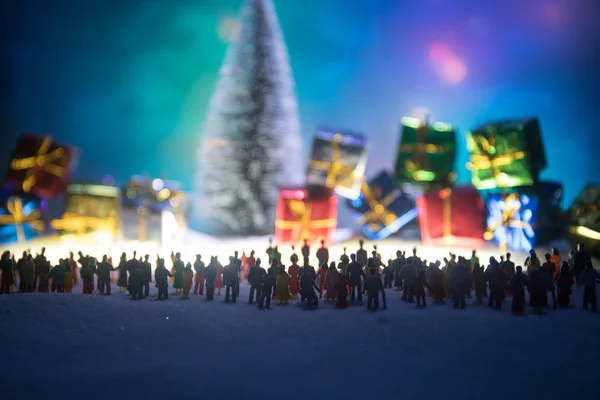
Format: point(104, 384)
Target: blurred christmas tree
point(251, 141)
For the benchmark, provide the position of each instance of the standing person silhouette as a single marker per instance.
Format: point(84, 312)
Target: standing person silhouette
point(323, 254)
point(361, 254)
point(305, 249)
point(199, 278)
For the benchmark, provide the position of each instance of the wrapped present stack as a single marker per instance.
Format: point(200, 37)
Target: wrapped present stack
point(584, 220)
point(506, 158)
point(90, 208)
point(39, 170)
point(153, 211)
point(336, 166)
point(448, 215)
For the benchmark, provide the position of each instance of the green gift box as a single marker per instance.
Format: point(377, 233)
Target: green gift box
point(506, 154)
point(427, 152)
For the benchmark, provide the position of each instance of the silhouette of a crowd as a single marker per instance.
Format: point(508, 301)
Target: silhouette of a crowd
point(340, 283)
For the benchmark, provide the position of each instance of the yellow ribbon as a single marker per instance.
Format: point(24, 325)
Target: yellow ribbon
point(337, 172)
point(303, 226)
point(81, 223)
point(17, 217)
point(511, 208)
point(490, 159)
point(446, 195)
point(41, 162)
point(419, 149)
point(143, 212)
point(378, 206)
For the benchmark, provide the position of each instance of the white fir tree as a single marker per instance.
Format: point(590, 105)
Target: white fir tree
point(251, 141)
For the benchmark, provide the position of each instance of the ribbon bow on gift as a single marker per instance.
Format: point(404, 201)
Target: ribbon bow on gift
point(378, 206)
point(337, 172)
point(18, 216)
point(42, 162)
point(491, 159)
point(303, 226)
point(509, 218)
point(420, 165)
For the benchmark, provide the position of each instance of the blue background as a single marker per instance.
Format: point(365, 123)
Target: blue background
point(129, 81)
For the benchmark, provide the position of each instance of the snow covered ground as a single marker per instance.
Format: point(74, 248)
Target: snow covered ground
point(71, 346)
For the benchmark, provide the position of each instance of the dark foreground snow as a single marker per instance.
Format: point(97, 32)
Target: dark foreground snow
point(70, 346)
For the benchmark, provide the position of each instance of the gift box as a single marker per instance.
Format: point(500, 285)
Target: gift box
point(584, 220)
point(337, 162)
point(90, 207)
point(155, 194)
point(21, 217)
point(452, 216)
point(39, 166)
point(506, 154)
point(383, 207)
point(300, 216)
point(427, 152)
point(522, 218)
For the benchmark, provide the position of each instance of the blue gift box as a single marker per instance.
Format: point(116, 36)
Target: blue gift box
point(384, 209)
point(522, 218)
point(21, 217)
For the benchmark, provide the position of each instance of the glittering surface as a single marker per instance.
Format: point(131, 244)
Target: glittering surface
point(129, 81)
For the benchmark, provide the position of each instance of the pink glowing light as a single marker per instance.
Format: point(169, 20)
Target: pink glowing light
point(438, 52)
point(450, 67)
point(553, 15)
point(453, 70)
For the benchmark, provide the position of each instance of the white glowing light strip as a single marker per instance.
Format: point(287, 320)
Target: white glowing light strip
point(94, 190)
point(586, 232)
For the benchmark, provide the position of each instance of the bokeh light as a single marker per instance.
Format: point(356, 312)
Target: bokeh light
point(453, 70)
point(229, 29)
point(450, 68)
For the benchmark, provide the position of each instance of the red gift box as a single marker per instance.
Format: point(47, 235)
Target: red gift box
point(39, 166)
point(300, 217)
point(452, 216)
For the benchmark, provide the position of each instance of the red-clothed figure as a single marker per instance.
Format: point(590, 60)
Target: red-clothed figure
point(342, 292)
point(293, 271)
point(564, 282)
point(219, 278)
point(245, 266)
point(74, 269)
point(321, 277)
